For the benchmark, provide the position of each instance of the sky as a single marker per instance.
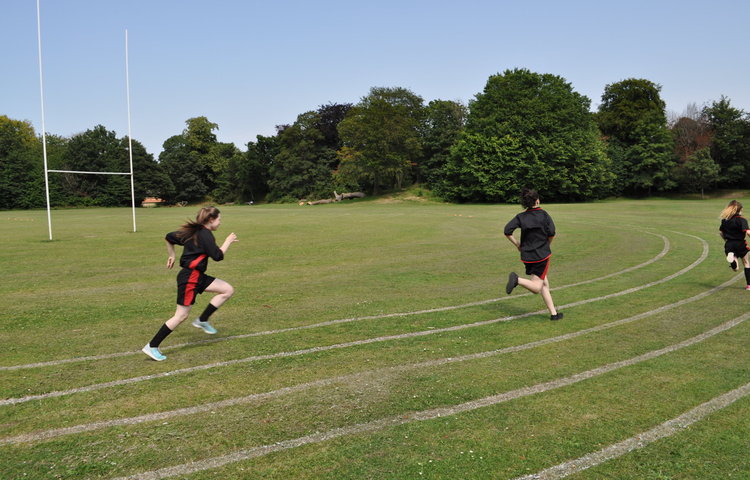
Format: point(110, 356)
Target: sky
point(250, 65)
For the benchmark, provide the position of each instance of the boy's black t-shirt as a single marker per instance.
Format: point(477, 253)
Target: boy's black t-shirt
point(734, 228)
point(195, 256)
point(537, 228)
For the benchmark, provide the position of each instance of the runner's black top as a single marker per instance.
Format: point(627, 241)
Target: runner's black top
point(537, 228)
point(206, 247)
point(734, 228)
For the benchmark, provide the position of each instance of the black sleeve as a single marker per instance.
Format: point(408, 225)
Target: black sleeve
point(173, 238)
point(512, 225)
point(208, 242)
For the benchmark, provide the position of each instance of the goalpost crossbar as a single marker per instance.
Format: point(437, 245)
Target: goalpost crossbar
point(90, 173)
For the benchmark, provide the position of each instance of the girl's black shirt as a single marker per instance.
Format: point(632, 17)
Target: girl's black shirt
point(537, 228)
point(195, 254)
point(734, 228)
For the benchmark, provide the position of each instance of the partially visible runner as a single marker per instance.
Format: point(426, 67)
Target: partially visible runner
point(537, 233)
point(733, 229)
point(199, 244)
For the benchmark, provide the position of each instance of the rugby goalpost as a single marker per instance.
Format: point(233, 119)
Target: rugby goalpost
point(44, 131)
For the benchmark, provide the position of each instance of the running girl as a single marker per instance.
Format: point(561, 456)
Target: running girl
point(199, 244)
point(733, 230)
point(537, 233)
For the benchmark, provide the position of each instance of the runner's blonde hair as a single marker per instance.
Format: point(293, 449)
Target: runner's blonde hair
point(732, 210)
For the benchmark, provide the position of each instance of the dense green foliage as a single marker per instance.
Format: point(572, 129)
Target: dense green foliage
point(523, 129)
point(21, 176)
point(632, 118)
point(730, 146)
point(382, 139)
point(528, 129)
point(306, 158)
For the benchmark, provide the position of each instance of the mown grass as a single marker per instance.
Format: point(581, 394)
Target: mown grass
point(99, 289)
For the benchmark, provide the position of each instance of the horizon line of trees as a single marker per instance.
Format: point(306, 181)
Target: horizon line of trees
point(523, 129)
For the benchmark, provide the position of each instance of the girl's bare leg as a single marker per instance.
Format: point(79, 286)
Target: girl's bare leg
point(223, 291)
point(180, 315)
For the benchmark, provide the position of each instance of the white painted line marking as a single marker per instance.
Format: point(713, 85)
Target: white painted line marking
point(241, 455)
point(127, 381)
point(106, 356)
point(666, 429)
point(47, 434)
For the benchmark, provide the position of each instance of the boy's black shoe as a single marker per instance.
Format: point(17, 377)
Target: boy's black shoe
point(512, 282)
point(733, 266)
point(559, 316)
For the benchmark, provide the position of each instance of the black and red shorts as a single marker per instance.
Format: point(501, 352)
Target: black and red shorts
point(537, 268)
point(738, 247)
point(191, 283)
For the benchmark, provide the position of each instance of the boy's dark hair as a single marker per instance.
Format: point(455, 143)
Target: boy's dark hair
point(528, 197)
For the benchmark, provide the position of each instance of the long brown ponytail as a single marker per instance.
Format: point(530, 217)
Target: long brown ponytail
point(189, 230)
point(733, 209)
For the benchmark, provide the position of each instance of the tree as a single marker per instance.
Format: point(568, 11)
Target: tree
point(305, 158)
point(700, 171)
point(246, 176)
point(381, 139)
point(149, 178)
point(195, 161)
point(648, 162)
point(632, 118)
point(690, 133)
point(184, 169)
point(21, 175)
point(527, 129)
point(329, 118)
point(304, 165)
point(96, 150)
point(730, 146)
point(444, 122)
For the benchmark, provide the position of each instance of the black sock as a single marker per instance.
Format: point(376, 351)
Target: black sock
point(160, 336)
point(210, 309)
point(747, 275)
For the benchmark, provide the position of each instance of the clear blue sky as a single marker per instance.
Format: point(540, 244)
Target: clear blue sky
point(251, 65)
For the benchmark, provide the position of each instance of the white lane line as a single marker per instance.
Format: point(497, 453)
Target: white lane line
point(127, 381)
point(241, 455)
point(106, 356)
point(666, 429)
point(257, 397)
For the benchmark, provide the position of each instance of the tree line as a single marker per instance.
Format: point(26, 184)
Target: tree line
point(524, 128)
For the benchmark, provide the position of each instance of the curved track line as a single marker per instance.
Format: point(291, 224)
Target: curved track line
point(127, 381)
point(666, 429)
point(106, 356)
point(206, 407)
point(376, 425)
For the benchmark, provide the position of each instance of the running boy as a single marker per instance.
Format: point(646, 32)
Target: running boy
point(537, 233)
point(199, 244)
point(733, 230)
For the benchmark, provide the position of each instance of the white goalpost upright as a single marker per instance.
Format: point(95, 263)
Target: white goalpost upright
point(44, 132)
point(130, 134)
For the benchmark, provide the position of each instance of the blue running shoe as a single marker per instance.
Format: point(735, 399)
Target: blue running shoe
point(205, 326)
point(153, 352)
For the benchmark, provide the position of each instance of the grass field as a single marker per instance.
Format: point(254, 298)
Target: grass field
point(374, 340)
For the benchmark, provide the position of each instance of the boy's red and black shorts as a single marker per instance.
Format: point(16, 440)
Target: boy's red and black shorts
point(191, 283)
point(538, 268)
